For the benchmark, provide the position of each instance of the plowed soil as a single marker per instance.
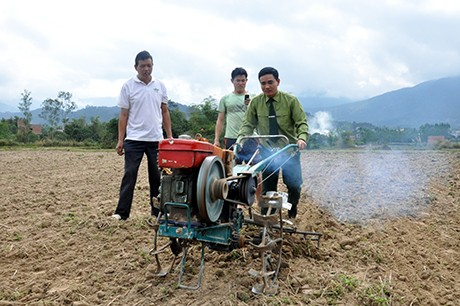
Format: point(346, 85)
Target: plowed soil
point(390, 222)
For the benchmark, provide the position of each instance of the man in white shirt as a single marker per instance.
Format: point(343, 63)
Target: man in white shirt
point(144, 113)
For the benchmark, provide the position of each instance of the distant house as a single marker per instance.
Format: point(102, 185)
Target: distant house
point(432, 140)
point(34, 128)
point(456, 133)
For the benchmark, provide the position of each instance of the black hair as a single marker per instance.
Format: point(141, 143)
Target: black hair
point(239, 71)
point(269, 70)
point(142, 56)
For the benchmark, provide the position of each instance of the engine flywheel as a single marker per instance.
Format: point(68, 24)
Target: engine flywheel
point(211, 188)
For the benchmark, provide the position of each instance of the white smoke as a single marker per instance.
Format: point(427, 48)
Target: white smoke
point(359, 186)
point(321, 123)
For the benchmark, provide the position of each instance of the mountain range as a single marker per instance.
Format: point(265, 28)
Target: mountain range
point(435, 101)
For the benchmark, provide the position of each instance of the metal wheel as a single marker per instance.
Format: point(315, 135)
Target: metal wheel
point(248, 190)
point(271, 261)
point(211, 188)
point(269, 247)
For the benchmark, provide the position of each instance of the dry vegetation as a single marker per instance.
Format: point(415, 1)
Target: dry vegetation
point(390, 221)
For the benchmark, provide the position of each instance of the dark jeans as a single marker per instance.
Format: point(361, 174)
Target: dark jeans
point(134, 152)
point(292, 178)
point(228, 142)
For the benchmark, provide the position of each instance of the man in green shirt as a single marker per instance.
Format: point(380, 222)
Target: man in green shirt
point(232, 108)
point(289, 120)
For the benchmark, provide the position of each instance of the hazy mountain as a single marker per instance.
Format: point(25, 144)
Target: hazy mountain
point(103, 112)
point(309, 102)
point(7, 108)
point(436, 101)
point(104, 101)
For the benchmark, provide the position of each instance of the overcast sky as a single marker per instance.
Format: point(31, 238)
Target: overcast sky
point(344, 48)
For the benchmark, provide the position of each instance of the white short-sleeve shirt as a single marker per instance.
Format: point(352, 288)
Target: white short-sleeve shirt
point(145, 119)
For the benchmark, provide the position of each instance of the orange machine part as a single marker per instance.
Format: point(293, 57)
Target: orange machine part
point(185, 153)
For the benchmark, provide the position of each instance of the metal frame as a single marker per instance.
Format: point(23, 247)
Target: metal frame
point(270, 246)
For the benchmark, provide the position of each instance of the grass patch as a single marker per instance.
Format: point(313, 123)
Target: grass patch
point(17, 237)
point(340, 286)
point(377, 294)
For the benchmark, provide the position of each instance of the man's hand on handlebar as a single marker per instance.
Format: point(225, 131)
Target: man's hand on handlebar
point(237, 147)
point(301, 144)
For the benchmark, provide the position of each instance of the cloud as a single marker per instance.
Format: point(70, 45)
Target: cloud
point(355, 49)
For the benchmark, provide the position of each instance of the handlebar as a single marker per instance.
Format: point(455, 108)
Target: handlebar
point(237, 146)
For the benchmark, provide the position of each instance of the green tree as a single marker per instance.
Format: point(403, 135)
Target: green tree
point(67, 105)
point(110, 134)
point(438, 129)
point(57, 111)
point(25, 134)
point(96, 129)
point(345, 140)
point(203, 118)
point(51, 112)
point(77, 130)
point(5, 131)
point(318, 141)
point(12, 124)
point(179, 122)
point(24, 107)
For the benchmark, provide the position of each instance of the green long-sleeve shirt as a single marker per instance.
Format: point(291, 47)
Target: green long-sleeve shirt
point(292, 121)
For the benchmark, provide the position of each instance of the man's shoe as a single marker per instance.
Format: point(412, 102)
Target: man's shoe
point(116, 216)
point(176, 247)
point(155, 206)
point(155, 212)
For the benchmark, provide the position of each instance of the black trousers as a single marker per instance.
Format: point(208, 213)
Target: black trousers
point(292, 178)
point(134, 152)
point(229, 142)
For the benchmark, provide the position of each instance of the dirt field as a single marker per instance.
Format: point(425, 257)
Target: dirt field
point(390, 222)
